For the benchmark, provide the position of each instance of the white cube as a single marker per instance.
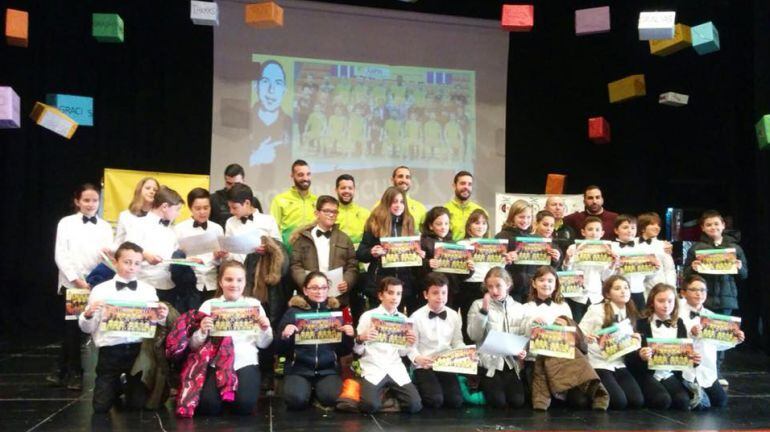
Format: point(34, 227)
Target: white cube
point(657, 25)
point(204, 13)
point(673, 99)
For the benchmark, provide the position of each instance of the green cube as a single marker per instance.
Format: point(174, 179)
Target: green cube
point(107, 27)
point(763, 131)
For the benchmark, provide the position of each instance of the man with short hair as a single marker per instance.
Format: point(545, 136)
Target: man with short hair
point(295, 207)
point(461, 206)
point(402, 179)
point(220, 212)
point(352, 217)
point(594, 206)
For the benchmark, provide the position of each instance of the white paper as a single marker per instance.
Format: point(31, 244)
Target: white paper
point(503, 344)
point(335, 278)
point(242, 243)
point(199, 244)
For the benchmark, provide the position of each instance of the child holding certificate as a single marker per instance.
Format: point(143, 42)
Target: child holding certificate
point(435, 229)
point(662, 389)
point(616, 308)
point(437, 329)
point(313, 366)
point(517, 224)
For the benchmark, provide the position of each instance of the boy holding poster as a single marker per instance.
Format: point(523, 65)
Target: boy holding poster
point(694, 294)
point(118, 353)
point(381, 365)
point(633, 263)
point(438, 329)
point(312, 362)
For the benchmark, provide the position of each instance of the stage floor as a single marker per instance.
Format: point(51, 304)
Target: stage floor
point(29, 403)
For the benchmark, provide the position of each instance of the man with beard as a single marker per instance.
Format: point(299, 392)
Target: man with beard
point(461, 206)
point(594, 206)
point(402, 179)
point(563, 234)
point(295, 207)
point(352, 217)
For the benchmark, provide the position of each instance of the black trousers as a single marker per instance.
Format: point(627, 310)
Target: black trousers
point(114, 361)
point(371, 395)
point(69, 357)
point(622, 387)
point(297, 390)
point(245, 397)
point(438, 389)
point(716, 395)
point(669, 393)
point(503, 389)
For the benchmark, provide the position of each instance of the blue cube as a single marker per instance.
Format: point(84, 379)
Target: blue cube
point(79, 108)
point(705, 38)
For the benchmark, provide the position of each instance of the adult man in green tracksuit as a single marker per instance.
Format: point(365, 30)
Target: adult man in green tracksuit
point(295, 207)
point(461, 206)
point(352, 216)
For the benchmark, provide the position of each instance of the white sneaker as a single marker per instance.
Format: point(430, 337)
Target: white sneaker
point(723, 382)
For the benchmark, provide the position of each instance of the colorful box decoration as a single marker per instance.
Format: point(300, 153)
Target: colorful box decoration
point(656, 25)
point(592, 20)
point(264, 15)
point(673, 99)
point(705, 38)
point(10, 108)
point(627, 88)
point(518, 18)
point(78, 108)
point(204, 13)
point(598, 130)
point(554, 184)
point(763, 131)
point(107, 27)
point(681, 40)
point(53, 119)
point(17, 27)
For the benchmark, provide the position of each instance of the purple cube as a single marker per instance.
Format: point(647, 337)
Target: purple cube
point(10, 112)
point(592, 20)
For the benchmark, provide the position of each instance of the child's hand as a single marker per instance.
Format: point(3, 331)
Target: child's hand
point(93, 308)
point(288, 331)
point(378, 251)
point(220, 254)
point(195, 260)
point(433, 263)
point(485, 302)
point(513, 255)
point(152, 258)
point(590, 338)
point(342, 287)
point(107, 251)
point(696, 357)
point(645, 353)
point(263, 322)
point(348, 330)
point(80, 283)
point(162, 312)
point(738, 264)
point(411, 338)
point(421, 253)
point(207, 324)
point(423, 361)
point(656, 262)
point(695, 264)
point(740, 335)
point(560, 321)
point(554, 253)
point(695, 330)
point(522, 355)
point(539, 321)
point(260, 250)
point(507, 258)
point(668, 247)
point(367, 335)
point(471, 265)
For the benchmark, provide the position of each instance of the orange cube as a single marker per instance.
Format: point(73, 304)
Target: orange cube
point(518, 18)
point(17, 27)
point(554, 184)
point(599, 130)
point(264, 15)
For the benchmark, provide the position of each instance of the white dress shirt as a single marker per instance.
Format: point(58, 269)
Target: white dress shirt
point(206, 275)
point(592, 322)
point(378, 359)
point(706, 372)
point(263, 222)
point(107, 291)
point(504, 316)
point(78, 247)
point(635, 281)
point(322, 246)
point(125, 220)
point(244, 345)
point(662, 332)
point(156, 239)
point(592, 279)
point(667, 271)
point(435, 335)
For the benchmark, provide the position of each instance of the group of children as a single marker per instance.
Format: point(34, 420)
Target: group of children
point(221, 371)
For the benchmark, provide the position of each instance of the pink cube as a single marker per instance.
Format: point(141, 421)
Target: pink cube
point(518, 18)
point(10, 104)
point(592, 20)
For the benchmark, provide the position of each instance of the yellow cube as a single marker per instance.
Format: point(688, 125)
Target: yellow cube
point(682, 39)
point(53, 119)
point(630, 87)
point(264, 15)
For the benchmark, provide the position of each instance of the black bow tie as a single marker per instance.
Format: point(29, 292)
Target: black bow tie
point(130, 285)
point(618, 318)
point(648, 241)
point(164, 222)
point(666, 323)
point(547, 301)
point(204, 225)
point(624, 244)
point(327, 234)
point(694, 314)
point(91, 219)
point(441, 315)
point(245, 218)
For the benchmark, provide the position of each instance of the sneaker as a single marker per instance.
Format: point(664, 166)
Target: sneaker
point(75, 382)
point(723, 382)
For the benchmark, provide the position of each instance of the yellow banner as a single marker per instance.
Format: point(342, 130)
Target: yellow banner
point(119, 188)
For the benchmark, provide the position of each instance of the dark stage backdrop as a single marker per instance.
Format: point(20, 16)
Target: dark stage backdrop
point(153, 112)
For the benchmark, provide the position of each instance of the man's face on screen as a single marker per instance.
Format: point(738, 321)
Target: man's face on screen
point(301, 176)
point(464, 188)
point(346, 190)
point(272, 86)
point(402, 179)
